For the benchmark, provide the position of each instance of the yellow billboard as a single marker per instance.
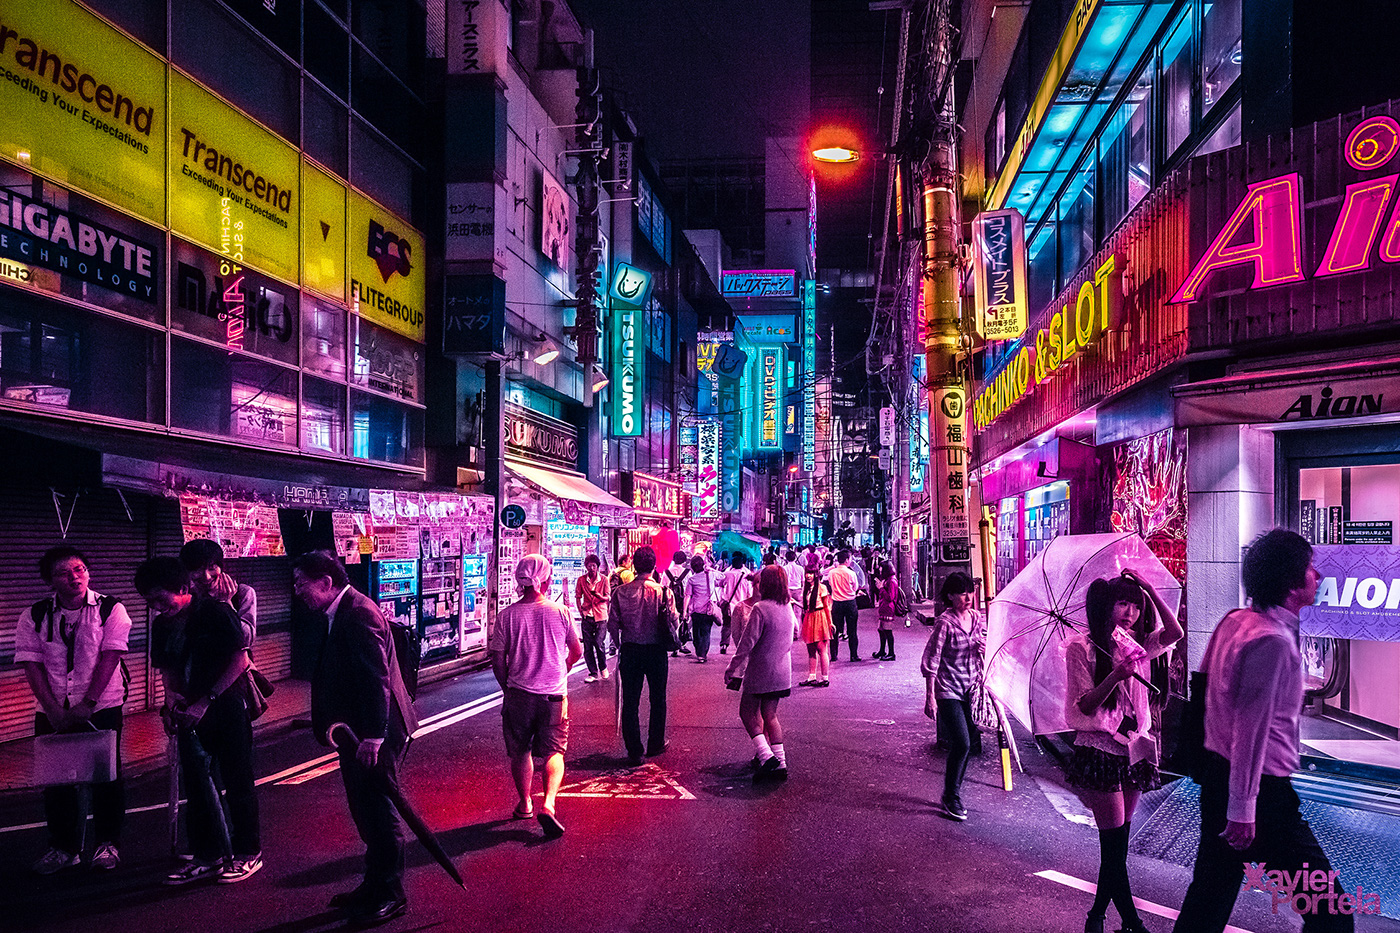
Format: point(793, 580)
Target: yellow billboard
point(234, 186)
point(82, 104)
point(323, 232)
point(387, 281)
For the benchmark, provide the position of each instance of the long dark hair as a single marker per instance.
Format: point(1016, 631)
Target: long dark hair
point(811, 590)
point(1103, 595)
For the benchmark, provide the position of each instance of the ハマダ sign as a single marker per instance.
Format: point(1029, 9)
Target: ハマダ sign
point(999, 273)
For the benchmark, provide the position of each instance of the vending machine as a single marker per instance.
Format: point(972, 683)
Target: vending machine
point(475, 590)
point(441, 606)
point(393, 584)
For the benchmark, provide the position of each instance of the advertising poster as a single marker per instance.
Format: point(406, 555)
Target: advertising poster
point(243, 529)
point(999, 273)
point(84, 105)
point(234, 186)
point(323, 232)
point(1358, 595)
point(387, 281)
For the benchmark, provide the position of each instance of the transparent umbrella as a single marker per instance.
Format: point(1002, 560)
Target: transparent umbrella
point(1029, 620)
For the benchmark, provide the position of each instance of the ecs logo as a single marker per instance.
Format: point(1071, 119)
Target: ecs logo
point(390, 252)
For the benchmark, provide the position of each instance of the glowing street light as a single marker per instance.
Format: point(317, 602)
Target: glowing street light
point(835, 154)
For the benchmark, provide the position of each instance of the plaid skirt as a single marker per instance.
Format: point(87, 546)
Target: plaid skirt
point(1094, 769)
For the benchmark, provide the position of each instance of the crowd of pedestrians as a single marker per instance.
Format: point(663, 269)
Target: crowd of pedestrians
point(204, 629)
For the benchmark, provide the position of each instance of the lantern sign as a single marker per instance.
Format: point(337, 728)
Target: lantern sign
point(630, 285)
point(999, 273)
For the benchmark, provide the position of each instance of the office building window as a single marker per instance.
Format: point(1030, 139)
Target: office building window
point(322, 416)
point(1220, 50)
point(215, 391)
point(379, 171)
point(326, 127)
point(1176, 86)
point(386, 431)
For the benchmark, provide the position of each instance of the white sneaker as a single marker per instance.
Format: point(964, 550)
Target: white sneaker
point(589, 679)
point(56, 860)
point(106, 857)
point(193, 870)
point(238, 869)
point(604, 674)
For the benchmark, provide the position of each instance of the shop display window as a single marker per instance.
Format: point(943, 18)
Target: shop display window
point(322, 338)
point(322, 416)
point(386, 362)
point(1126, 150)
point(232, 305)
point(57, 357)
point(385, 430)
point(1047, 516)
point(218, 392)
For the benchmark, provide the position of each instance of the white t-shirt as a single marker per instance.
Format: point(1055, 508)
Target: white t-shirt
point(534, 639)
point(90, 637)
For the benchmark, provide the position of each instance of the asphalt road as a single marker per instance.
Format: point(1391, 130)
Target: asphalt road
point(686, 843)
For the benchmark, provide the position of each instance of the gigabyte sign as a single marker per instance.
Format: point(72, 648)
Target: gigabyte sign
point(758, 283)
point(1265, 232)
point(38, 234)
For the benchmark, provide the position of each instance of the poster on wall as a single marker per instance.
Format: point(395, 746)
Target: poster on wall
point(243, 529)
point(1149, 495)
point(1358, 595)
point(554, 221)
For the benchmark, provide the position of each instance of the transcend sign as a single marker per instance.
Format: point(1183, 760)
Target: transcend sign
point(71, 78)
point(1265, 231)
point(1073, 327)
point(222, 165)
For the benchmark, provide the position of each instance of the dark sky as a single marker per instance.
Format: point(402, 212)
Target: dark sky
point(706, 77)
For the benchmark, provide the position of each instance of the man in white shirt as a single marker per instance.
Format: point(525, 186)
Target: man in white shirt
point(845, 584)
point(70, 646)
point(532, 648)
point(734, 588)
point(796, 571)
point(1254, 694)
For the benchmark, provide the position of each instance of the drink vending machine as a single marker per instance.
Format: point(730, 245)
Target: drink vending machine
point(393, 585)
point(475, 590)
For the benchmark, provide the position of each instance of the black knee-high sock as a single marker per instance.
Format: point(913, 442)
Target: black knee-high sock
point(889, 643)
point(1123, 894)
point(1104, 892)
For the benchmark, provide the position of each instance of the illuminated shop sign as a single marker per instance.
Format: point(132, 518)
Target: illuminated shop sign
point(708, 445)
point(768, 361)
point(1074, 327)
point(539, 438)
point(653, 496)
point(809, 375)
point(999, 273)
point(83, 104)
point(1265, 232)
point(1358, 595)
point(387, 279)
point(234, 186)
point(949, 470)
point(758, 283)
point(630, 285)
point(768, 328)
point(627, 385)
point(731, 463)
point(221, 300)
point(689, 454)
point(38, 236)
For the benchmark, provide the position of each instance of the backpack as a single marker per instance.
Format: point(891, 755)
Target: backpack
point(44, 610)
point(677, 585)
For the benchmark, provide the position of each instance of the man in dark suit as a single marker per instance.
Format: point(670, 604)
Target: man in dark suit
point(357, 682)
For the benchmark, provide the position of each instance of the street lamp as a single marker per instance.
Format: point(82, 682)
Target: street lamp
point(546, 350)
point(598, 380)
point(836, 155)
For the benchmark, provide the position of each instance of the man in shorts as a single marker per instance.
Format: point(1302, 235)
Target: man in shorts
point(532, 648)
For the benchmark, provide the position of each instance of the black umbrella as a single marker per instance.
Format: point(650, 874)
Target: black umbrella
point(410, 816)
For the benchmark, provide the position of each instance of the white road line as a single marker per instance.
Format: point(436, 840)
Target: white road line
point(305, 776)
point(294, 769)
point(1078, 884)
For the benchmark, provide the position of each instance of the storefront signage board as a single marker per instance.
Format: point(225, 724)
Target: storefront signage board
point(323, 232)
point(84, 105)
point(1358, 596)
point(758, 283)
point(474, 314)
point(769, 359)
point(388, 283)
point(949, 470)
point(235, 187)
point(471, 222)
point(809, 375)
point(477, 34)
point(1283, 400)
point(628, 383)
point(222, 300)
point(768, 328)
point(689, 454)
point(731, 464)
point(654, 496)
point(630, 285)
point(708, 445)
point(539, 438)
point(999, 274)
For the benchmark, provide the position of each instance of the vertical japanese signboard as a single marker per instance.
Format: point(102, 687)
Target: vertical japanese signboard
point(809, 375)
point(629, 369)
point(769, 359)
point(731, 465)
point(999, 273)
point(948, 489)
point(708, 447)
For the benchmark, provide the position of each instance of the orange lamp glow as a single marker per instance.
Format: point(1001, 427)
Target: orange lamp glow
point(835, 154)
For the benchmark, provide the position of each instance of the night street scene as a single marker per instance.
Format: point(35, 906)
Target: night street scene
point(699, 466)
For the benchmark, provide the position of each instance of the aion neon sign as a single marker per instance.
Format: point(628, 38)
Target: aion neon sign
point(1271, 212)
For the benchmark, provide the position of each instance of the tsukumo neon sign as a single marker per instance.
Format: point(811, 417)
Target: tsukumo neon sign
point(1272, 211)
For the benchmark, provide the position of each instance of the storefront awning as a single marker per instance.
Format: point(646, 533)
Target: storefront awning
point(1315, 394)
point(582, 502)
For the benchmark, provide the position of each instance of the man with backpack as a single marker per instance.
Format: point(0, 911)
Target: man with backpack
point(675, 577)
point(734, 588)
point(70, 646)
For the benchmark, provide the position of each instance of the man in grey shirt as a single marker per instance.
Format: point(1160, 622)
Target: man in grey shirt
point(636, 613)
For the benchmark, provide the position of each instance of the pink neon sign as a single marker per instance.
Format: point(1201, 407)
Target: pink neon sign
point(1265, 230)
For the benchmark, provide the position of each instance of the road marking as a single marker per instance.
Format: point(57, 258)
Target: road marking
point(294, 769)
point(649, 782)
point(1089, 887)
point(1065, 803)
point(305, 776)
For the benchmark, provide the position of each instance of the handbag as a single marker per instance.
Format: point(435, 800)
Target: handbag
point(984, 708)
point(1184, 729)
point(258, 689)
point(75, 758)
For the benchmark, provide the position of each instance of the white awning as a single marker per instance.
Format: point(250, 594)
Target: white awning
point(582, 502)
point(1307, 394)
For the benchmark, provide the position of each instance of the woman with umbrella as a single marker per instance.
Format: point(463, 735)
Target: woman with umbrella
point(952, 667)
point(1115, 753)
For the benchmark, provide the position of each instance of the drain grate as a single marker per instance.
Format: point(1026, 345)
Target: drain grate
point(1363, 845)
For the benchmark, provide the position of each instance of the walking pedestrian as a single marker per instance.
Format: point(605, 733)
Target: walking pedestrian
point(197, 644)
point(734, 588)
point(674, 577)
point(532, 648)
point(641, 618)
point(1254, 695)
point(886, 598)
point(702, 591)
point(762, 670)
point(591, 593)
point(358, 683)
point(816, 626)
point(796, 571)
point(952, 668)
point(70, 646)
point(1115, 754)
point(845, 587)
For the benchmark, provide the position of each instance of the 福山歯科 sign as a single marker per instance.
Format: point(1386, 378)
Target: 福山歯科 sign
point(235, 187)
point(83, 104)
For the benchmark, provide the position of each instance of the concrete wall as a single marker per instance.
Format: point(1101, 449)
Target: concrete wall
point(1230, 500)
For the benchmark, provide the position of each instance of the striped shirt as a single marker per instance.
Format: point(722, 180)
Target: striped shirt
point(961, 661)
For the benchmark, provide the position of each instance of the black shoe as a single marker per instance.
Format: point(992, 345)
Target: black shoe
point(1134, 926)
point(723, 649)
point(889, 657)
point(952, 809)
point(770, 770)
point(856, 657)
point(1093, 923)
point(878, 656)
point(634, 760)
point(373, 913)
point(660, 751)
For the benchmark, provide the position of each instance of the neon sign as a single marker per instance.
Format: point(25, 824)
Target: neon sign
point(628, 372)
point(1271, 211)
point(768, 410)
point(809, 376)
